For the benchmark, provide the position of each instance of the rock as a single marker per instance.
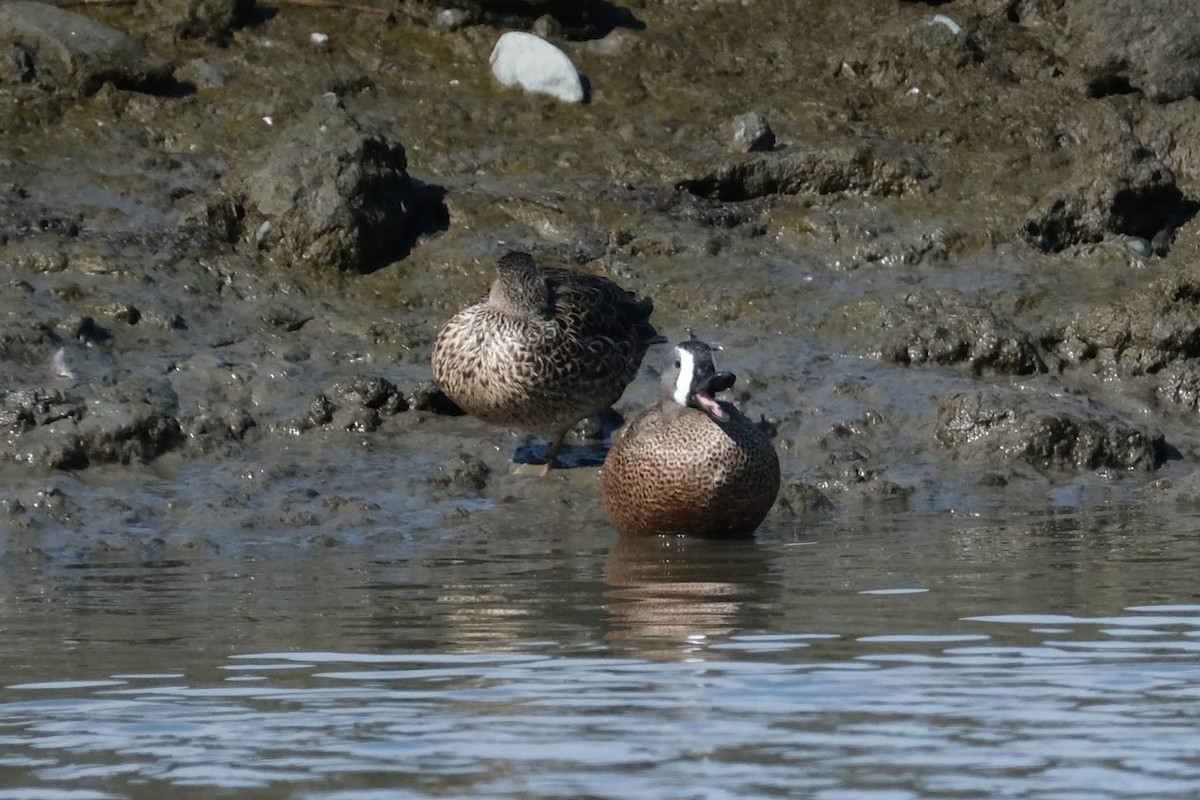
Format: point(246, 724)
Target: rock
point(999, 424)
point(52, 430)
point(751, 133)
point(451, 19)
point(874, 169)
point(1173, 131)
point(1149, 46)
point(72, 53)
point(580, 19)
point(204, 74)
point(332, 190)
point(1142, 333)
point(357, 404)
point(535, 65)
point(943, 329)
point(1133, 195)
point(204, 19)
point(370, 392)
point(463, 471)
point(213, 428)
point(428, 396)
point(799, 499)
point(546, 26)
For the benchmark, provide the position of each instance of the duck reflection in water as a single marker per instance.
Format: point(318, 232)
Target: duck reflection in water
point(666, 592)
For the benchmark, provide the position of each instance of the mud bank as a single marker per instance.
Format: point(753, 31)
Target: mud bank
point(963, 270)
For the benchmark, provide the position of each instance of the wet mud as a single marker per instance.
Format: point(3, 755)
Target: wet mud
point(948, 248)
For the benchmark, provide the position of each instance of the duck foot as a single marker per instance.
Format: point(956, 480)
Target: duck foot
point(537, 470)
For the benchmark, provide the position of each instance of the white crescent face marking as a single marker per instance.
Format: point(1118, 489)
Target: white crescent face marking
point(687, 368)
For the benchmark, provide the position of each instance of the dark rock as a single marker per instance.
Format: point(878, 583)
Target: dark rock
point(204, 19)
point(122, 433)
point(1135, 194)
point(1173, 131)
point(463, 471)
point(873, 169)
point(211, 429)
point(75, 54)
point(59, 433)
point(942, 329)
point(996, 424)
point(752, 133)
point(1141, 334)
point(369, 392)
point(320, 412)
point(355, 404)
point(1147, 46)
point(428, 396)
point(331, 191)
point(25, 409)
point(356, 418)
point(798, 499)
point(576, 18)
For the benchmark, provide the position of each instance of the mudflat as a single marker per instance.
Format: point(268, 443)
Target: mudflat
point(951, 253)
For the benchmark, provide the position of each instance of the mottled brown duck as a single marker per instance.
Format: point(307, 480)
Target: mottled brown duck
point(690, 464)
point(547, 348)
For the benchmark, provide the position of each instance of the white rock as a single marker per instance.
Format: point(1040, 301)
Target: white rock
point(522, 59)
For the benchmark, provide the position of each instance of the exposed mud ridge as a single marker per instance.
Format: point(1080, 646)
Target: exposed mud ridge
point(950, 249)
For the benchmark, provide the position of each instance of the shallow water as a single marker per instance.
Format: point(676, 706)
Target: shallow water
point(881, 655)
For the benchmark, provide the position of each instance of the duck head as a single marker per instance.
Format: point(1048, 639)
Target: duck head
point(520, 287)
point(691, 380)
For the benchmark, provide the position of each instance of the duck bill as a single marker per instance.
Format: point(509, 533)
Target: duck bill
point(705, 394)
point(708, 404)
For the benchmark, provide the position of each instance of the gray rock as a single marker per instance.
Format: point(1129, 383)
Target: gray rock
point(53, 430)
point(943, 329)
point(1150, 46)
point(204, 74)
point(451, 19)
point(1126, 189)
point(875, 169)
point(751, 133)
point(75, 54)
point(997, 424)
point(1142, 334)
point(334, 191)
point(546, 26)
point(1173, 131)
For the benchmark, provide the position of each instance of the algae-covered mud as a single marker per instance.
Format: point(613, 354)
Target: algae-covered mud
point(949, 248)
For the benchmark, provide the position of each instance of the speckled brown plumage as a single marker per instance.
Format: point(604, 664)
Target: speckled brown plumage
point(548, 347)
point(677, 470)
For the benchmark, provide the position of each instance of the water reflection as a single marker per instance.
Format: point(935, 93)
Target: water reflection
point(926, 656)
point(684, 591)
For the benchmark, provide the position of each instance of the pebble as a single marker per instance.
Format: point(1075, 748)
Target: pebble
point(451, 19)
point(751, 133)
point(522, 59)
point(204, 74)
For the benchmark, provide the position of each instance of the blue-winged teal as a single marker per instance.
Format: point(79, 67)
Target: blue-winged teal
point(690, 464)
point(548, 347)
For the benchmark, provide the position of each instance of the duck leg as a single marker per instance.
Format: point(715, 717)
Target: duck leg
point(542, 470)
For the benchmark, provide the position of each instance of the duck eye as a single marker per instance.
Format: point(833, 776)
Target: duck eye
point(677, 363)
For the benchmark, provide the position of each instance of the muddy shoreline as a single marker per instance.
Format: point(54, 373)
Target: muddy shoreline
point(966, 273)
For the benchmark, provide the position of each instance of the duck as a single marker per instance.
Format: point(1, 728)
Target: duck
point(690, 464)
point(546, 348)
